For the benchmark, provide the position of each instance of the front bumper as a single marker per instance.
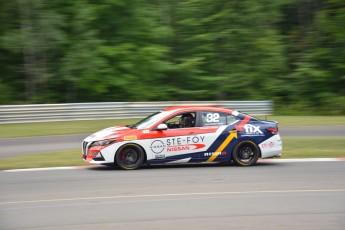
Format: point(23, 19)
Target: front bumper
point(91, 155)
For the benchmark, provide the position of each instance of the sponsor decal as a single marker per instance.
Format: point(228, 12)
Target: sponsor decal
point(160, 156)
point(128, 138)
point(146, 131)
point(232, 135)
point(178, 144)
point(208, 154)
point(269, 144)
point(185, 140)
point(184, 147)
point(157, 146)
point(252, 130)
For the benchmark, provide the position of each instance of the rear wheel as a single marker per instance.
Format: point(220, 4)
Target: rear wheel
point(130, 156)
point(246, 153)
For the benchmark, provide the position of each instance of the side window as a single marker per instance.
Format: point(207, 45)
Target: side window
point(213, 119)
point(184, 120)
point(217, 119)
point(230, 119)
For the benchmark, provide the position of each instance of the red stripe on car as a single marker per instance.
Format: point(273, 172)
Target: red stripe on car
point(243, 123)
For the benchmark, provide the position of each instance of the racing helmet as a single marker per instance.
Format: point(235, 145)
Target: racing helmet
point(187, 120)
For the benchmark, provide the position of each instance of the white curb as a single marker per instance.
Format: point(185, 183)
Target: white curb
point(292, 160)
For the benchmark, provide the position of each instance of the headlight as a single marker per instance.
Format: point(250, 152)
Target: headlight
point(103, 142)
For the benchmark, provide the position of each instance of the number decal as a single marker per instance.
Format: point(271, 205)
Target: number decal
point(212, 117)
point(216, 117)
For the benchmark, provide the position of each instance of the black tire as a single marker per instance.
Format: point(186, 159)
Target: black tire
point(130, 156)
point(246, 153)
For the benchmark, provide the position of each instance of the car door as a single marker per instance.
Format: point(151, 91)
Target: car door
point(222, 140)
point(179, 143)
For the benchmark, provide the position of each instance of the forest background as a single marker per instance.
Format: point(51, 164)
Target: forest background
point(288, 51)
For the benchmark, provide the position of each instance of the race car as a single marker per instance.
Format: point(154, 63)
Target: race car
point(183, 135)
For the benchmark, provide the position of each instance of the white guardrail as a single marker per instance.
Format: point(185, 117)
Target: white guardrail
point(114, 110)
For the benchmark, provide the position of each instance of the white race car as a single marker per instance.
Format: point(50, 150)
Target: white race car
point(185, 135)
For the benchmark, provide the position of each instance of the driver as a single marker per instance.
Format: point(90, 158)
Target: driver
point(187, 120)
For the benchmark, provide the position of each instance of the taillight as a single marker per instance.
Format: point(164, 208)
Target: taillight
point(273, 130)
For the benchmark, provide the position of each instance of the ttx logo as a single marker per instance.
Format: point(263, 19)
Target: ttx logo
point(251, 129)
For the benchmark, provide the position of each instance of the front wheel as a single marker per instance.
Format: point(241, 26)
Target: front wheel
point(130, 156)
point(246, 153)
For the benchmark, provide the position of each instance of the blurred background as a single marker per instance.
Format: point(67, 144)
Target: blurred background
point(289, 51)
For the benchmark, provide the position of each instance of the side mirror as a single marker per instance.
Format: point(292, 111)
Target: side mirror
point(162, 127)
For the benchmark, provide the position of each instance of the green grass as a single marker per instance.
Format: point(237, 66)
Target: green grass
point(58, 128)
point(313, 147)
point(292, 148)
point(54, 159)
point(76, 127)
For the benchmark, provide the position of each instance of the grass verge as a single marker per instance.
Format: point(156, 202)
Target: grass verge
point(55, 159)
point(292, 148)
point(76, 127)
point(58, 128)
point(313, 147)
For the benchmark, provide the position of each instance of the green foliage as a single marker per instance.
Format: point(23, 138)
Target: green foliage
point(318, 69)
point(291, 51)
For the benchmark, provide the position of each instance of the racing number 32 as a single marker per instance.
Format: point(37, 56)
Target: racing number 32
point(212, 117)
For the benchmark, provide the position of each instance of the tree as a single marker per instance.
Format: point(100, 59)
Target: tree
point(318, 67)
point(31, 38)
point(237, 56)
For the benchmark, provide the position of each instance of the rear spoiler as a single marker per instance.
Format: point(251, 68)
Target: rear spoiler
point(271, 121)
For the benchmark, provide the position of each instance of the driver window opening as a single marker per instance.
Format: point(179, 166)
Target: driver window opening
point(184, 120)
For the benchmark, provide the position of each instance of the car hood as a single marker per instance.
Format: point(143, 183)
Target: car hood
point(109, 133)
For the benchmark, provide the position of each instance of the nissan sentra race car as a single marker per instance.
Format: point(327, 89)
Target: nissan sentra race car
point(185, 135)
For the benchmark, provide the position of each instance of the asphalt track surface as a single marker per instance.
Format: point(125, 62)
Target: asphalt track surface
point(11, 147)
point(297, 195)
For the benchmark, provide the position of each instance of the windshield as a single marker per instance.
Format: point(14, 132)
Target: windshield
point(150, 120)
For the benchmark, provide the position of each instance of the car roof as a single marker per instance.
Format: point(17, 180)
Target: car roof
point(198, 108)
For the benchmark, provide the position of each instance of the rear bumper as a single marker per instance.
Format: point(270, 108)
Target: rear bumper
point(272, 147)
